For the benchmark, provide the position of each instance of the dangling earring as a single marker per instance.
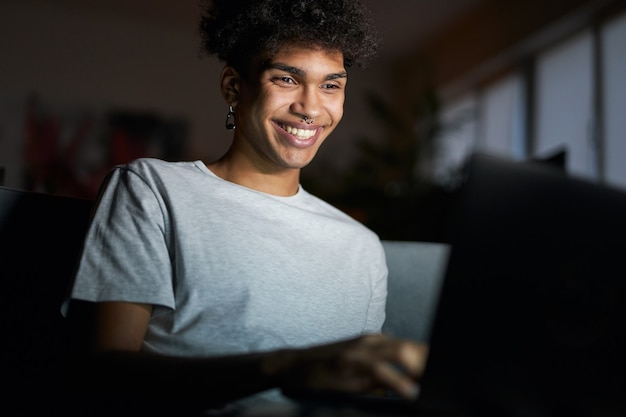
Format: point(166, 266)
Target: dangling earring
point(230, 118)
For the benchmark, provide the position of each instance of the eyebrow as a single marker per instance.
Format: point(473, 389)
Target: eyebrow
point(299, 71)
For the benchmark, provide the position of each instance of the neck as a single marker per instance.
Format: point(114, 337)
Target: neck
point(283, 182)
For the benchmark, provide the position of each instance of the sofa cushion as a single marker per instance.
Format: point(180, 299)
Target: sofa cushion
point(415, 273)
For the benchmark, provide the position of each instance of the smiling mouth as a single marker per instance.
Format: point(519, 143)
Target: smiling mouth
point(299, 133)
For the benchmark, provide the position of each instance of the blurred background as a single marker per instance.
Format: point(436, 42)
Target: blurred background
point(85, 85)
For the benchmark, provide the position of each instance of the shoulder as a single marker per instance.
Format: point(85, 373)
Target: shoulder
point(149, 178)
point(156, 173)
point(326, 209)
point(323, 207)
point(151, 167)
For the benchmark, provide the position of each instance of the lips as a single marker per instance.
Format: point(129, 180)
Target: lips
point(298, 136)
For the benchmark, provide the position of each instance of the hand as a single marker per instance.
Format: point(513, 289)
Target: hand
point(360, 365)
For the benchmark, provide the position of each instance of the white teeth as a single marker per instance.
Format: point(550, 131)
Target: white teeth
point(300, 133)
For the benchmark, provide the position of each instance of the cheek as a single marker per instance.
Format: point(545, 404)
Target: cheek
point(255, 105)
point(270, 106)
point(337, 112)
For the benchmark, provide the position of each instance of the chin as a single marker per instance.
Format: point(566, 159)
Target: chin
point(298, 162)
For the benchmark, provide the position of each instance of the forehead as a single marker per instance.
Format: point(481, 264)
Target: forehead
point(310, 60)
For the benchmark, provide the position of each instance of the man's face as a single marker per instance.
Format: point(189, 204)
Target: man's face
point(296, 82)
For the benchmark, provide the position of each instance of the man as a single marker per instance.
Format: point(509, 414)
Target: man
point(201, 285)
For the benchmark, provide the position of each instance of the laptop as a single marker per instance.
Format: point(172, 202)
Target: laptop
point(531, 319)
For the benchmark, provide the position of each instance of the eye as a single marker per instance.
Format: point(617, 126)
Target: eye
point(284, 79)
point(330, 87)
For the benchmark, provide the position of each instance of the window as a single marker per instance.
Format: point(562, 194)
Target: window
point(501, 118)
point(577, 101)
point(613, 37)
point(563, 104)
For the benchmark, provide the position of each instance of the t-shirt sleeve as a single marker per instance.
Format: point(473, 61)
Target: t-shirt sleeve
point(126, 256)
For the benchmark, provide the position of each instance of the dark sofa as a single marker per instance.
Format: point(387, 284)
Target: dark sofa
point(40, 239)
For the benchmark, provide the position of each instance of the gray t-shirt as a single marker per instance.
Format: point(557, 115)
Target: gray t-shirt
point(229, 269)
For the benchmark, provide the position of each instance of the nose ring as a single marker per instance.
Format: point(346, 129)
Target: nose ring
point(307, 120)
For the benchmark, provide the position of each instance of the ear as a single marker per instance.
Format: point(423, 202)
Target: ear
point(230, 85)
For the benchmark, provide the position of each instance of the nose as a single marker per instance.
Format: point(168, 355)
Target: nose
point(307, 103)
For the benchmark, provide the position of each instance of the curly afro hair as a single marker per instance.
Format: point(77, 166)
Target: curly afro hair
point(240, 30)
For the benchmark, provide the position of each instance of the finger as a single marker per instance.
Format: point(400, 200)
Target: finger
point(390, 376)
point(412, 357)
point(408, 355)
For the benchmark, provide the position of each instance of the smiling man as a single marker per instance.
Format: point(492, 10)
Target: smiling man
point(284, 111)
point(216, 285)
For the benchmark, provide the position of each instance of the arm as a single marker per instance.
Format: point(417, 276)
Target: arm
point(109, 359)
point(107, 340)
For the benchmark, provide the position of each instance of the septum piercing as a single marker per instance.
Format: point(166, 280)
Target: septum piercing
point(308, 121)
